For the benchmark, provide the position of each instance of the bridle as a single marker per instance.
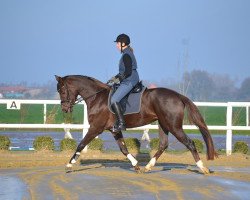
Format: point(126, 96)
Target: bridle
point(78, 100)
point(68, 100)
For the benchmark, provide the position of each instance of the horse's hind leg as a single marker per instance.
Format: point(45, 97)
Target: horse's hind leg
point(163, 136)
point(184, 139)
point(121, 143)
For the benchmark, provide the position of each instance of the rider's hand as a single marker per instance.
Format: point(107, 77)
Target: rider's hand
point(110, 83)
point(116, 80)
point(113, 81)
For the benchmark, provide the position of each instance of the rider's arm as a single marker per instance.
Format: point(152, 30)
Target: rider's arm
point(128, 67)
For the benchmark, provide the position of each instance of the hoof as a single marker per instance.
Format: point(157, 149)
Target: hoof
point(202, 168)
point(137, 169)
point(151, 164)
point(68, 168)
point(147, 170)
point(205, 170)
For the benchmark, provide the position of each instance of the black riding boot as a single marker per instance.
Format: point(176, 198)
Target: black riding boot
point(120, 123)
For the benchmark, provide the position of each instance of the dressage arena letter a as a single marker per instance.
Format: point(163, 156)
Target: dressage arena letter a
point(13, 105)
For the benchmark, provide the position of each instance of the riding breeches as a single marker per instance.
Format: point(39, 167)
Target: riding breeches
point(121, 92)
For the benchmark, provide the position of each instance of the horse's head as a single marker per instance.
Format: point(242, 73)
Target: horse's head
point(67, 95)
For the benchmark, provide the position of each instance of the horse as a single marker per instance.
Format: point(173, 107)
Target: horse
point(162, 104)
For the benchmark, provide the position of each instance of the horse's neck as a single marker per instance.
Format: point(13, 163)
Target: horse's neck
point(88, 88)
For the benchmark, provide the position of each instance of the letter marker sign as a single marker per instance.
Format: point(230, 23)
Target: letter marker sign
point(13, 105)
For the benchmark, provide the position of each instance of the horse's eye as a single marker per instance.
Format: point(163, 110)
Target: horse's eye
point(60, 90)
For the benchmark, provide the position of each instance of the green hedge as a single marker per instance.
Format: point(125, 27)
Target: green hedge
point(240, 147)
point(199, 145)
point(68, 144)
point(4, 142)
point(43, 143)
point(133, 144)
point(96, 144)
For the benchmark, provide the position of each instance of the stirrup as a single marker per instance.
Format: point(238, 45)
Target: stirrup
point(119, 127)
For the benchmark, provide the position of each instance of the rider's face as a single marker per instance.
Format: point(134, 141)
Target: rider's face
point(119, 46)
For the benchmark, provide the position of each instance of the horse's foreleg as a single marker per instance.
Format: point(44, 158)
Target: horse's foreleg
point(163, 136)
point(121, 143)
point(85, 141)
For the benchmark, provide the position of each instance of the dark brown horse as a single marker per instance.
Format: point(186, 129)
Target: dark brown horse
point(160, 104)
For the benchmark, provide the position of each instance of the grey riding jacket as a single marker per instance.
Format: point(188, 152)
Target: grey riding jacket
point(128, 75)
point(127, 68)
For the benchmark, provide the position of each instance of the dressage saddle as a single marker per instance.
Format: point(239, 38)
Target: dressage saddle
point(136, 89)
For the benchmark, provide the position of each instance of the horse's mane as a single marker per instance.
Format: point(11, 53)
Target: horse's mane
point(97, 82)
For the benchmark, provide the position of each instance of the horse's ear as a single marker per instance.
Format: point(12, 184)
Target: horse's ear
point(58, 78)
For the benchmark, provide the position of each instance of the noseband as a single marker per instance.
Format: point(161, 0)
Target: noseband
point(71, 103)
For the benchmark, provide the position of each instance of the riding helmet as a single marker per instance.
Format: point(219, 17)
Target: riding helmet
point(123, 38)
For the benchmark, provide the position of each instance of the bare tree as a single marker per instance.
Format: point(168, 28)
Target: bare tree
point(182, 67)
point(224, 88)
point(201, 85)
point(244, 90)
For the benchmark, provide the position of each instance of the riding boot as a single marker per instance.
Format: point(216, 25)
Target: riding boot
point(120, 123)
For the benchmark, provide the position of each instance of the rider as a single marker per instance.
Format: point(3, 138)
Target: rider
point(127, 77)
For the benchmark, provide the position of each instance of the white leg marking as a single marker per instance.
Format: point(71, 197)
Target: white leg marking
point(73, 161)
point(202, 168)
point(200, 164)
point(69, 165)
point(151, 163)
point(132, 159)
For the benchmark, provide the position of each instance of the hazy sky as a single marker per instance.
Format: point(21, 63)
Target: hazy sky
point(41, 38)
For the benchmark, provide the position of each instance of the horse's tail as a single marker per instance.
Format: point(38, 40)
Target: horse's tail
point(195, 117)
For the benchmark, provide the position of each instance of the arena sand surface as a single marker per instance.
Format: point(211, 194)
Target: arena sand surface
point(33, 175)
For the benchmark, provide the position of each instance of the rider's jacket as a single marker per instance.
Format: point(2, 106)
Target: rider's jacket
point(127, 68)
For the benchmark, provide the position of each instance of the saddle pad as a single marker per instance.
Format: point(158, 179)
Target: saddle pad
point(133, 104)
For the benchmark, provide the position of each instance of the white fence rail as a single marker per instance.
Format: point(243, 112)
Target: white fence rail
point(84, 126)
point(16, 103)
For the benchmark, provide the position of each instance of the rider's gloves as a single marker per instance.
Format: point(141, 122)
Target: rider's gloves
point(110, 83)
point(113, 81)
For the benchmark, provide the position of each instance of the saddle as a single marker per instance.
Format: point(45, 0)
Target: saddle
point(131, 103)
point(137, 88)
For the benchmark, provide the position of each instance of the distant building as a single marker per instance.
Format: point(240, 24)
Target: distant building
point(13, 91)
point(22, 92)
point(14, 95)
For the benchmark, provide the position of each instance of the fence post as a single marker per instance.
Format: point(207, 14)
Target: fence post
point(247, 117)
point(44, 113)
point(85, 124)
point(229, 129)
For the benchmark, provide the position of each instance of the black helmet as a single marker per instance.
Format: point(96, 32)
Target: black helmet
point(123, 38)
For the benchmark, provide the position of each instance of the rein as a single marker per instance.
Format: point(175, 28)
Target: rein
point(78, 100)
